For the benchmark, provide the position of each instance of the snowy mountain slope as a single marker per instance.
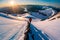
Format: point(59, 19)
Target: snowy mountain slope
point(36, 34)
point(37, 15)
point(12, 29)
point(4, 15)
point(52, 28)
point(55, 17)
point(44, 14)
point(48, 12)
point(13, 17)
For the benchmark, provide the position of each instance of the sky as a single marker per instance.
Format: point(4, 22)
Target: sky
point(37, 2)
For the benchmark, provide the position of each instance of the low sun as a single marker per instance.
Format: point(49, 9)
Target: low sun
point(12, 3)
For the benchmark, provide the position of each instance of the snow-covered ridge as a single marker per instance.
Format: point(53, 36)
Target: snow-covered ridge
point(13, 17)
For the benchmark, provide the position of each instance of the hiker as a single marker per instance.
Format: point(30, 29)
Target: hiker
point(28, 29)
point(30, 19)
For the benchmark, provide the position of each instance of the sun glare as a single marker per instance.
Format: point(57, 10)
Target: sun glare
point(12, 3)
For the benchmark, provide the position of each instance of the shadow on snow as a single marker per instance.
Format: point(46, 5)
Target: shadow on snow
point(35, 34)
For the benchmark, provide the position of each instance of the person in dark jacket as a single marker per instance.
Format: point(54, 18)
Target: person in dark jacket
point(30, 19)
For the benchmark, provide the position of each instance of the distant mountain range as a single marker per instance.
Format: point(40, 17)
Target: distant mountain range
point(20, 8)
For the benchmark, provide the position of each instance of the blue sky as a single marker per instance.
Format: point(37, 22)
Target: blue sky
point(44, 2)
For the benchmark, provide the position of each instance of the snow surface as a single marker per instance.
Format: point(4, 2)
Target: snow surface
point(12, 29)
point(52, 28)
point(47, 12)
